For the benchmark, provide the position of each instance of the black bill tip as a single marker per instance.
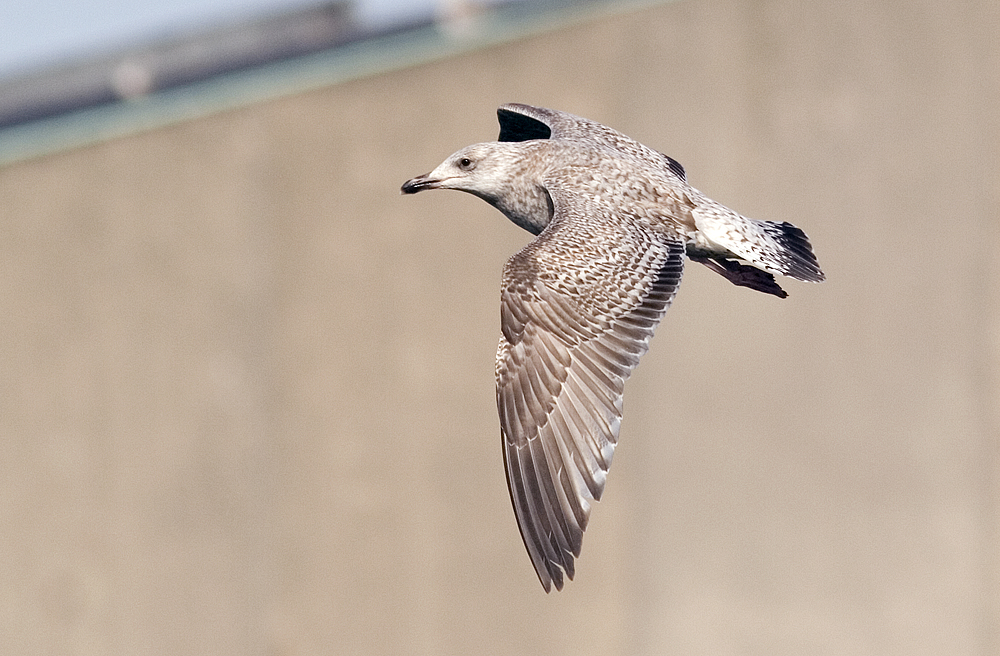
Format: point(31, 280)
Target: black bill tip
point(418, 183)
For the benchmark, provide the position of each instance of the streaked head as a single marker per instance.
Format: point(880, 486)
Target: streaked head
point(485, 170)
point(504, 174)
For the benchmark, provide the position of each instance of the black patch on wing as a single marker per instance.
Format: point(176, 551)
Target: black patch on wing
point(675, 167)
point(518, 127)
point(742, 275)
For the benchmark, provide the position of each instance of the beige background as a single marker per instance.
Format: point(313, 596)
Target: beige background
point(247, 398)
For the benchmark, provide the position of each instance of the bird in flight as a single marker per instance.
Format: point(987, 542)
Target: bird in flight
point(614, 221)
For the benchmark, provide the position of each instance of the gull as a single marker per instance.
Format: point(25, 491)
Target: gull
point(614, 221)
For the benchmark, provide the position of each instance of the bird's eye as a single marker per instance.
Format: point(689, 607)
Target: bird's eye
point(465, 163)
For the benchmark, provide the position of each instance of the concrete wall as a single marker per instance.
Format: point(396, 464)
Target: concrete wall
point(247, 398)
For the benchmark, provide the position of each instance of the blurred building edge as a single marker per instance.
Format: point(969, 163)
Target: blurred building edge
point(175, 62)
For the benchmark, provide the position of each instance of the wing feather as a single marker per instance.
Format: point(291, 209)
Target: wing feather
point(574, 326)
point(520, 122)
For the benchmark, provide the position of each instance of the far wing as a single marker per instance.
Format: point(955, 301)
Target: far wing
point(523, 122)
point(578, 308)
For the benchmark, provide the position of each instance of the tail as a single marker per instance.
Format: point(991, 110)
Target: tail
point(775, 247)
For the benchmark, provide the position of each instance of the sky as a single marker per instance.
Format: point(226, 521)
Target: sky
point(38, 33)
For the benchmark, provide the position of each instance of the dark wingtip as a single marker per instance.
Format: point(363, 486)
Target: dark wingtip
point(743, 275)
point(517, 124)
point(675, 167)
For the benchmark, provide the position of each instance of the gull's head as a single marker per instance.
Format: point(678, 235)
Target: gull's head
point(484, 169)
point(507, 175)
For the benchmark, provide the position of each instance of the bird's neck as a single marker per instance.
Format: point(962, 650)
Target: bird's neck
point(528, 206)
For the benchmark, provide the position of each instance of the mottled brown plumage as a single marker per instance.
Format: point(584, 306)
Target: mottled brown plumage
point(579, 304)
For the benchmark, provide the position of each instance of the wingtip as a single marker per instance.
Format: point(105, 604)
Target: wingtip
point(519, 122)
point(556, 581)
point(550, 574)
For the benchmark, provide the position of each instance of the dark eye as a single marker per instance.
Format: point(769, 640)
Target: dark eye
point(465, 163)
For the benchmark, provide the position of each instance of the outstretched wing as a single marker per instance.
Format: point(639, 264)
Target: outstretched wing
point(578, 307)
point(523, 122)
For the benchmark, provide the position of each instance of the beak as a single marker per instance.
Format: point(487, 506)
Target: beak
point(419, 183)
